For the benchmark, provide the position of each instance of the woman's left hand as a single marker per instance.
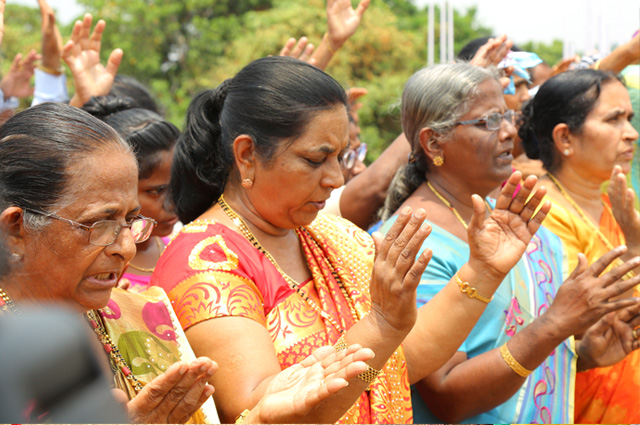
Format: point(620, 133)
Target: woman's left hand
point(295, 391)
point(623, 207)
point(610, 339)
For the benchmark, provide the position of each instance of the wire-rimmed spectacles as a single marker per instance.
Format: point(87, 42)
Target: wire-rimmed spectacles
point(350, 156)
point(105, 232)
point(494, 120)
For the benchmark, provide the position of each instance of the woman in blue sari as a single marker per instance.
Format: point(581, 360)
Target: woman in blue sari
point(518, 364)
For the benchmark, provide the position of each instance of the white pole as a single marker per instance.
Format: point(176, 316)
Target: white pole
point(431, 34)
point(443, 32)
point(450, 30)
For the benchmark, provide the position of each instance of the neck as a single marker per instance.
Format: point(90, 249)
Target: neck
point(457, 192)
point(584, 191)
point(21, 294)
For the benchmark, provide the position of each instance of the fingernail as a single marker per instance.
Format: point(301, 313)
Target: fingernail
point(406, 210)
point(420, 213)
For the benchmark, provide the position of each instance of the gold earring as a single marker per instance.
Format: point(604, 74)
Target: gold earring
point(438, 161)
point(16, 258)
point(247, 183)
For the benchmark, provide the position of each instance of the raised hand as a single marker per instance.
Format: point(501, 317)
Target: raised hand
point(174, 396)
point(295, 391)
point(397, 271)
point(499, 241)
point(299, 49)
point(51, 39)
point(492, 52)
point(82, 55)
point(17, 82)
point(610, 339)
point(343, 20)
point(623, 207)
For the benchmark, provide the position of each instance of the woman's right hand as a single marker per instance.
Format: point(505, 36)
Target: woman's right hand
point(587, 294)
point(397, 271)
point(174, 396)
point(498, 242)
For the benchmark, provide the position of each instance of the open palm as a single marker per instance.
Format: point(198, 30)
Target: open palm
point(342, 19)
point(501, 239)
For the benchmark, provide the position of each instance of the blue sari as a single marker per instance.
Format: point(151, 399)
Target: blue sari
point(547, 395)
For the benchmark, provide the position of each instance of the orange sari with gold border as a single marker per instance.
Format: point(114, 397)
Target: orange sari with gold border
point(209, 271)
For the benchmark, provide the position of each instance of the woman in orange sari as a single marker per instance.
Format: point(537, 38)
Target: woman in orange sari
point(258, 278)
point(578, 125)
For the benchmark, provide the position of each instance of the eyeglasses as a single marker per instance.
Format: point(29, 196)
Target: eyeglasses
point(105, 232)
point(493, 121)
point(349, 157)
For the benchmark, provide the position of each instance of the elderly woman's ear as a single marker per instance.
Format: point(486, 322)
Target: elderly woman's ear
point(11, 225)
point(429, 143)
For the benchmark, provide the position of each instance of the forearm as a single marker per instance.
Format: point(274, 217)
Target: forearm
point(446, 321)
point(622, 56)
point(365, 193)
point(486, 381)
point(324, 52)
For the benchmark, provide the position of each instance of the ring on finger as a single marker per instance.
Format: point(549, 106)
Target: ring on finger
point(635, 333)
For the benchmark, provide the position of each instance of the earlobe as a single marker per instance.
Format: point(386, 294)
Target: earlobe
point(563, 140)
point(245, 157)
point(430, 144)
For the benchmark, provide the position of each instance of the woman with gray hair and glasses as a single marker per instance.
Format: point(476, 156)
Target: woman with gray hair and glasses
point(518, 364)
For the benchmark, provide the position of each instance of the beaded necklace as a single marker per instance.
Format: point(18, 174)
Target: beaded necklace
point(450, 205)
point(246, 232)
point(7, 304)
point(586, 220)
point(112, 350)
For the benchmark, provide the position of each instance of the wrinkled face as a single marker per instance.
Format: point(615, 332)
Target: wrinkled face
point(59, 263)
point(152, 193)
point(354, 144)
point(606, 138)
point(290, 189)
point(479, 156)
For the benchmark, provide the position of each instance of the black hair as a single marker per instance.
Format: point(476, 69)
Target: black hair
point(127, 86)
point(147, 132)
point(271, 100)
point(565, 98)
point(470, 49)
point(37, 148)
point(4, 257)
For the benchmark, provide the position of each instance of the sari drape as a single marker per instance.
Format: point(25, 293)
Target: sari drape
point(209, 271)
point(148, 335)
point(608, 394)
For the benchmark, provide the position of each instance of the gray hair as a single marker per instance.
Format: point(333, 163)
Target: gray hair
point(436, 97)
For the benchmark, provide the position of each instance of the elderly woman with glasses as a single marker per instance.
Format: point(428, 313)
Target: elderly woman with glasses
point(518, 364)
point(70, 213)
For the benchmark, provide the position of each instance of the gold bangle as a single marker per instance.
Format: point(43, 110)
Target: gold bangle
point(325, 37)
point(513, 363)
point(52, 71)
point(242, 416)
point(470, 291)
point(596, 65)
point(340, 344)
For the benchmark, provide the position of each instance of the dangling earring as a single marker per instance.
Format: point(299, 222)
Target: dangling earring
point(247, 183)
point(438, 161)
point(16, 258)
point(566, 152)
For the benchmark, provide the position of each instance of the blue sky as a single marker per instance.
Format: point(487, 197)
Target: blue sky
point(576, 22)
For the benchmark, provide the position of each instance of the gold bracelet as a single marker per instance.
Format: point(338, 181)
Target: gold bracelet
point(513, 363)
point(340, 344)
point(52, 71)
point(242, 416)
point(325, 37)
point(470, 291)
point(369, 376)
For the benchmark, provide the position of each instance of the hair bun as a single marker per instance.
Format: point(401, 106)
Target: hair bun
point(103, 106)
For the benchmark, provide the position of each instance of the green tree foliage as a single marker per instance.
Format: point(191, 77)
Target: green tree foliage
point(178, 48)
point(550, 53)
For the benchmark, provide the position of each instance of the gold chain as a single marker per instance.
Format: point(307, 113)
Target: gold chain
point(246, 232)
point(150, 269)
point(586, 220)
point(112, 351)
point(450, 205)
point(7, 303)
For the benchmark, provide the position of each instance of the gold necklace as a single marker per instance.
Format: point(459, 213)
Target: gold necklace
point(450, 205)
point(588, 221)
point(112, 351)
point(7, 304)
point(150, 269)
point(246, 232)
